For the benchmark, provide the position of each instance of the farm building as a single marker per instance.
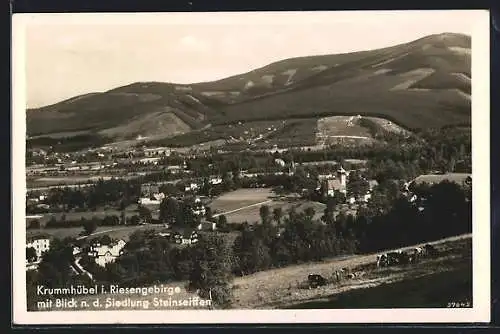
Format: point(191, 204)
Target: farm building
point(191, 187)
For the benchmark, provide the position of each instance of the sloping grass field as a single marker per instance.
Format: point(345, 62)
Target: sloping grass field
point(283, 287)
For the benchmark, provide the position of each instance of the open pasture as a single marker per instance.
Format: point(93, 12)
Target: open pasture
point(341, 126)
point(280, 288)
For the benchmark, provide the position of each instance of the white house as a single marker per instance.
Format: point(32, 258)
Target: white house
point(104, 254)
point(76, 250)
point(41, 245)
point(191, 187)
point(174, 169)
point(280, 162)
point(215, 180)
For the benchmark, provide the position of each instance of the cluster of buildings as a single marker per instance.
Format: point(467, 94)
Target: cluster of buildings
point(41, 245)
point(104, 254)
point(330, 184)
point(181, 237)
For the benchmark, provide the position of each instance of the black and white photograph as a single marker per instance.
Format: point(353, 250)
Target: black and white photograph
point(251, 167)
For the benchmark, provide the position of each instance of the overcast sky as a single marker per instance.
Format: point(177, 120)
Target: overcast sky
point(68, 55)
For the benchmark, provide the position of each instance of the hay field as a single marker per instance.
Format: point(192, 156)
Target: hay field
point(341, 126)
point(388, 125)
point(252, 214)
point(241, 198)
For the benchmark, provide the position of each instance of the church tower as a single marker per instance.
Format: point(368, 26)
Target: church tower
point(342, 176)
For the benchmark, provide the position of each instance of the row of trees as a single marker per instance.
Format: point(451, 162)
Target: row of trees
point(143, 215)
point(116, 192)
point(444, 149)
point(390, 220)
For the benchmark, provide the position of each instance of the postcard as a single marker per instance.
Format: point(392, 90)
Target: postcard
point(251, 167)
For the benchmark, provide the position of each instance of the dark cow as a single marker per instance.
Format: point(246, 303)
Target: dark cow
point(382, 260)
point(357, 274)
point(393, 258)
point(316, 280)
point(416, 254)
point(430, 250)
point(405, 258)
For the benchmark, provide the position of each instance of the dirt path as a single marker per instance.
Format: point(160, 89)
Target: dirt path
point(132, 228)
point(278, 288)
point(242, 208)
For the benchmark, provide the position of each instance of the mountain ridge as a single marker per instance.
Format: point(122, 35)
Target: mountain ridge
point(410, 83)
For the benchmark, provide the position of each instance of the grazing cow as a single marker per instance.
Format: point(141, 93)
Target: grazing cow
point(430, 250)
point(418, 251)
point(393, 258)
point(338, 275)
point(357, 274)
point(360, 274)
point(382, 260)
point(416, 254)
point(404, 258)
point(316, 280)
